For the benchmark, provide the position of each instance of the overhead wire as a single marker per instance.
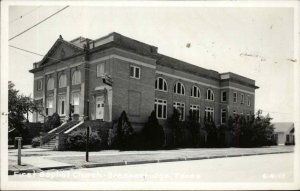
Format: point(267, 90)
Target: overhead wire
point(38, 23)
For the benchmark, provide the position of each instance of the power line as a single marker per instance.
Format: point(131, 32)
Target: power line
point(38, 23)
point(25, 14)
point(25, 50)
point(201, 100)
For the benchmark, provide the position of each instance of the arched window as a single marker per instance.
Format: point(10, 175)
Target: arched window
point(76, 78)
point(210, 95)
point(195, 92)
point(50, 84)
point(62, 81)
point(161, 84)
point(179, 88)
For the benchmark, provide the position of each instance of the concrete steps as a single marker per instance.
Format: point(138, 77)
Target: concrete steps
point(50, 144)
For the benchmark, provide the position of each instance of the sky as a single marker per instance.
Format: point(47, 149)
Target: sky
point(255, 42)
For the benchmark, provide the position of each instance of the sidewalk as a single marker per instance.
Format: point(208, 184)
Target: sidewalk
point(43, 159)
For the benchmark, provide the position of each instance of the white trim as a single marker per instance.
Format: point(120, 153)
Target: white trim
point(186, 79)
point(134, 54)
point(212, 93)
point(180, 104)
point(57, 127)
point(238, 89)
point(68, 131)
point(222, 109)
point(164, 81)
point(61, 69)
point(222, 91)
point(123, 59)
point(134, 72)
point(236, 98)
point(202, 83)
point(38, 77)
point(163, 103)
point(51, 72)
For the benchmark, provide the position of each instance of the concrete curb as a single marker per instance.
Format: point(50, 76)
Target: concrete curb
point(94, 165)
point(25, 171)
point(37, 170)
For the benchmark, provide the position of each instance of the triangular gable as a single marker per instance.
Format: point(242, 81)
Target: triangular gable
point(61, 49)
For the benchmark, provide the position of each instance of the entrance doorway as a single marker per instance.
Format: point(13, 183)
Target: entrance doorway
point(100, 107)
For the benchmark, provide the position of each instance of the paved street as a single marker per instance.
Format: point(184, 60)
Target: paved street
point(260, 168)
point(46, 159)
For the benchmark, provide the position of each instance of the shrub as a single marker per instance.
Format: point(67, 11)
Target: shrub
point(52, 122)
point(77, 141)
point(124, 132)
point(36, 142)
point(112, 138)
point(174, 125)
point(194, 129)
point(153, 133)
point(253, 133)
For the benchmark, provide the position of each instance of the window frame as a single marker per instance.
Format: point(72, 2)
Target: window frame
point(248, 100)
point(72, 101)
point(59, 81)
point(242, 98)
point(134, 72)
point(222, 96)
point(76, 79)
point(197, 108)
point(222, 112)
point(210, 110)
point(50, 86)
point(235, 97)
point(194, 87)
point(164, 82)
point(182, 89)
point(181, 105)
point(211, 94)
point(61, 98)
point(48, 108)
point(164, 107)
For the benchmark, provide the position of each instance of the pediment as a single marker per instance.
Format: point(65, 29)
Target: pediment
point(61, 49)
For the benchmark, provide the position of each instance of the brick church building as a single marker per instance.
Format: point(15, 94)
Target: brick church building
point(101, 78)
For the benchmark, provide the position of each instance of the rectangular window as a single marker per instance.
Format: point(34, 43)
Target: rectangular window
point(180, 108)
point(248, 101)
point(234, 97)
point(100, 69)
point(209, 114)
point(75, 101)
point(61, 104)
point(195, 112)
point(223, 116)
point(160, 108)
point(242, 99)
point(223, 96)
point(135, 72)
point(49, 106)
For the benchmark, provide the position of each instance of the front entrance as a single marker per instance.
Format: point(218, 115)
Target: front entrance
point(100, 107)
